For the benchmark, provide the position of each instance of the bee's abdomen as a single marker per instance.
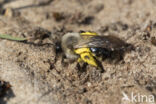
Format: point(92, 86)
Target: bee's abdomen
point(101, 51)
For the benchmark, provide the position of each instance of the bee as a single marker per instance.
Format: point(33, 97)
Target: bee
point(89, 46)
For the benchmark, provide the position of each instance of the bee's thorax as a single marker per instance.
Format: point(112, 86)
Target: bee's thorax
point(68, 42)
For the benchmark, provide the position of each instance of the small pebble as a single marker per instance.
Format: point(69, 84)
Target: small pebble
point(89, 84)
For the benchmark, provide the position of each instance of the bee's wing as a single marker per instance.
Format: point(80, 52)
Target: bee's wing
point(108, 42)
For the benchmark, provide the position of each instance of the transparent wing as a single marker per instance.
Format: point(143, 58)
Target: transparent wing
point(108, 42)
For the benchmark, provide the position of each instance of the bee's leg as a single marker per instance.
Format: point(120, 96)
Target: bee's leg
point(90, 59)
point(81, 67)
point(121, 55)
point(64, 61)
point(100, 66)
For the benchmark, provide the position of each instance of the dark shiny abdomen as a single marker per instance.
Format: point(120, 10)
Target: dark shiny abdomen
point(101, 52)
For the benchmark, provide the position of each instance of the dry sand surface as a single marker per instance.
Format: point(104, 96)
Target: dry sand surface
point(38, 75)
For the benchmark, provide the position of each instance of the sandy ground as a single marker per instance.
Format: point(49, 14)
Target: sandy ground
point(37, 74)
